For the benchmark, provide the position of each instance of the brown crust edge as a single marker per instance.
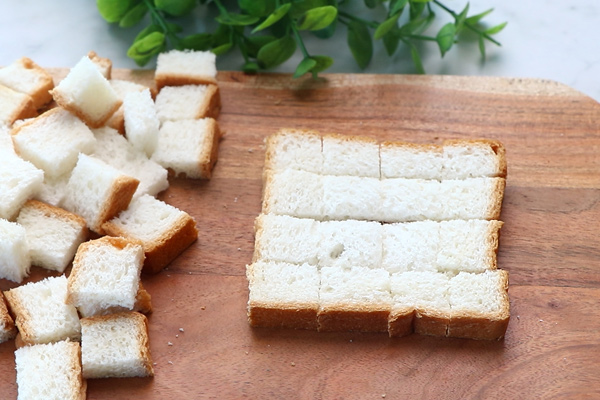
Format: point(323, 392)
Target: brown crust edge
point(118, 200)
point(351, 317)
point(170, 79)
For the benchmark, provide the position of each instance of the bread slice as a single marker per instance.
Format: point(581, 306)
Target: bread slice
point(87, 94)
point(116, 346)
point(188, 147)
point(15, 261)
point(103, 64)
point(293, 192)
point(105, 274)
point(115, 150)
point(25, 76)
point(350, 155)
point(163, 230)
point(53, 141)
point(41, 313)
point(294, 149)
point(283, 295)
point(15, 105)
point(354, 298)
point(177, 67)
point(53, 234)
point(188, 102)
point(50, 371)
point(97, 191)
point(19, 181)
point(352, 197)
point(8, 330)
point(141, 121)
point(122, 88)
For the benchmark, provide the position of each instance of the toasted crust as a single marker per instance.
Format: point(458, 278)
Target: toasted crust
point(42, 94)
point(23, 106)
point(294, 316)
point(495, 203)
point(172, 79)
point(22, 316)
point(7, 326)
point(118, 200)
point(492, 243)
point(68, 105)
point(57, 213)
point(210, 151)
point(400, 322)
point(211, 106)
point(431, 322)
point(352, 317)
point(143, 301)
point(104, 63)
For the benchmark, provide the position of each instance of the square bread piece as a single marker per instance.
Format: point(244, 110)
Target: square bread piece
point(87, 94)
point(122, 88)
point(53, 234)
point(283, 295)
point(480, 305)
point(189, 147)
point(8, 330)
point(53, 141)
point(185, 67)
point(19, 181)
point(350, 155)
point(97, 191)
point(6, 143)
point(163, 230)
point(41, 313)
point(25, 76)
point(188, 102)
point(141, 121)
point(103, 64)
point(411, 160)
point(15, 105)
point(350, 242)
point(473, 158)
point(354, 299)
point(52, 190)
point(293, 192)
point(410, 246)
point(105, 275)
point(14, 251)
point(50, 371)
point(115, 150)
point(294, 149)
point(351, 197)
point(116, 346)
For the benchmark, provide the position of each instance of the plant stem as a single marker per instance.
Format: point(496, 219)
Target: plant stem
point(468, 25)
point(156, 17)
point(370, 24)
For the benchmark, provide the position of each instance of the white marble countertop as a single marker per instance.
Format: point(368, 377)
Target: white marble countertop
point(547, 39)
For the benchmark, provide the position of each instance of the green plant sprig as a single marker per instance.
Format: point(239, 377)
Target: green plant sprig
point(269, 32)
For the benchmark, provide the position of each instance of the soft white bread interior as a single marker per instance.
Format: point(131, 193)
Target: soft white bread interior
point(41, 312)
point(350, 242)
point(293, 192)
point(8, 330)
point(411, 160)
point(188, 102)
point(6, 144)
point(294, 149)
point(14, 106)
point(50, 371)
point(141, 121)
point(87, 93)
point(116, 346)
point(53, 141)
point(15, 261)
point(352, 197)
point(350, 155)
point(53, 234)
point(473, 158)
point(52, 190)
point(122, 88)
point(19, 181)
point(105, 274)
point(185, 67)
point(97, 191)
point(163, 230)
point(25, 76)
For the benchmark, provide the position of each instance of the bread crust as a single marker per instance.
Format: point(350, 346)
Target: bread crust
point(22, 316)
point(56, 212)
point(496, 146)
point(354, 317)
point(431, 322)
point(292, 315)
point(173, 79)
point(273, 140)
point(42, 94)
point(118, 200)
point(210, 151)
point(495, 202)
point(24, 109)
point(492, 243)
point(400, 322)
point(211, 105)
point(7, 325)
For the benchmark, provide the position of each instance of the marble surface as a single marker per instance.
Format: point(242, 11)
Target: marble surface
point(548, 39)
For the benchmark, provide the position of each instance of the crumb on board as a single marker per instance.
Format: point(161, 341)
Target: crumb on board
point(181, 330)
point(169, 343)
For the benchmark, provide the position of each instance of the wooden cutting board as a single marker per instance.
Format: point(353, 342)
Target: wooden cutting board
point(201, 342)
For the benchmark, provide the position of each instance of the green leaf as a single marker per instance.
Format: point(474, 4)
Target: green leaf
point(274, 17)
point(276, 52)
point(144, 49)
point(198, 41)
point(250, 67)
point(327, 32)
point(391, 41)
point(495, 29)
point(360, 43)
point(222, 35)
point(416, 9)
point(420, 1)
point(386, 26)
point(474, 19)
point(372, 3)
point(176, 8)
point(114, 10)
point(396, 6)
point(157, 28)
point(414, 54)
point(257, 8)
point(222, 49)
point(460, 18)
point(299, 7)
point(317, 18)
point(445, 37)
point(323, 62)
point(133, 16)
point(234, 19)
point(255, 43)
point(304, 67)
point(481, 46)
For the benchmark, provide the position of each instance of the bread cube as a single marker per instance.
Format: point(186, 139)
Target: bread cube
point(351, 197)
point(350, 242)
point(294, 149)
point(411, 246)
point(19, 181)
point(350, 155)
point(185, 67)
point(411, 160)
point(116, 346)
point(188, 102)
point(87, 94)
point(163, 230)
point(293, 192)
point(103, 64)
point(25, 76)
point(122, 88)
point(15, 105)
point(53, 234)
point(52, 190)
point(473, 158)
point(41, 312)
point(8, 330)
point(15, 261)
point(141, 121)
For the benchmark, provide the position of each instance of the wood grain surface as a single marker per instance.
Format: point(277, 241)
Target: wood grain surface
point(549, 244)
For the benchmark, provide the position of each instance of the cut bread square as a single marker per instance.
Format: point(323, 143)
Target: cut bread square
point(53, 234)
point(8, 330)
point(411, 160)
point(41, 312)
point(283, 295)
point(350, 155)
point(473, 158)
point(15, 261)
point(188, 147)
point(188, 102)
point(50, 371)
point(185, 67)
point(293, 192)
point(115, 150)
point(19, 181)
point(103, 64)
point(350, 242)
point(354, 299)
point(15, 105)
point(141, 121)
point(87, 94)
point(480, 305)
point(351, 197)
point(6, 143)
point(273, 239)
point(53, 141)
point(294, 149)
point(25, 76)
point(122, 88)
point(116, 346)
point(163, 230)
point(105, 275)
point(52, 190)
point(97, 191)
point(411, 246)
